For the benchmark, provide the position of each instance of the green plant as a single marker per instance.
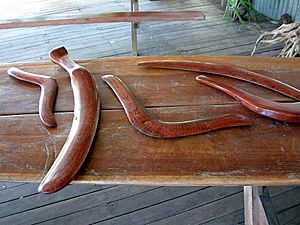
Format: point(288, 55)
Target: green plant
point(238, 9)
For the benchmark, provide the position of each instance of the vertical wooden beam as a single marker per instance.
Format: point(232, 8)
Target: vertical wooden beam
point(134, 8)
point(254, 210)
point(223, 3)
point(259, 209)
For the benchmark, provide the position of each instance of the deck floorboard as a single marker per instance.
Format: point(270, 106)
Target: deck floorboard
point(87, 204)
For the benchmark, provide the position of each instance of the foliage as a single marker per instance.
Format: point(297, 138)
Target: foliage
point(237, 9)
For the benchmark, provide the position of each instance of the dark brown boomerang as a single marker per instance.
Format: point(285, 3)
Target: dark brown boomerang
point(48, 93)
point(86, 116)
point(148, 124)
point(228, 71)
point(287, 112)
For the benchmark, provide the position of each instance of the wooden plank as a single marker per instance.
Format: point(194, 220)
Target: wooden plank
point(214, 32)
point(115, 27)
point(198, 23)
point(111, 17)
point(18, 192)
point(277, 190)
point(202, 214)
point(146, 206)
point(173, 97)
point(7, 185)
point(169, 162)
point(69, 7)
point(206, 46)
point(286, 200)
point(39, 214)
point(96, 51)
point(289, 215)
point(230, 218)
point(175, 5)
point(287, 205)
point(87, 195)
point(26, 197)
point(171, 89)
point(14, 10)
point(294, 221)
point(170, 208)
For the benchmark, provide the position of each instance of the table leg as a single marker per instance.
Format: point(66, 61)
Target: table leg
point(258, 207)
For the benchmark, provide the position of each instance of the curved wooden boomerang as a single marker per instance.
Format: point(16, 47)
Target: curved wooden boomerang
point(228, 71)
point(86, 116)
point(148, 124)
point(48, 93)
point(287, 112)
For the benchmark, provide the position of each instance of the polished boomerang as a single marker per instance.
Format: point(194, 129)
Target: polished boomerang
point(147, 123)
point(287, 112)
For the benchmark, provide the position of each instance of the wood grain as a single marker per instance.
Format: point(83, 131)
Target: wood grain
point(173, 88)
point(264, 154)
point(109, 17)
point(254, 209)
point(286, 112)
point(231, 156)
point(227, 71)
point(48, 92)
point(84, 125)
point(148, 124)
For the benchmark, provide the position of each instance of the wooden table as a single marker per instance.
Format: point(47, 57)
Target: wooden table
point(267, 153)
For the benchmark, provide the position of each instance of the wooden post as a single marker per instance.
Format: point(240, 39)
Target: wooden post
point(258, 207)
point(134, 8)
point(223, 3)
point(254, 211)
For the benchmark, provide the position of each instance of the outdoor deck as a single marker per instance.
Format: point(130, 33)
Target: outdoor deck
point(88, 204)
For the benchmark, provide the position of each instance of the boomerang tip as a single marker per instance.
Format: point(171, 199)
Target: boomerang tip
point(13, 71)
point(56, 53)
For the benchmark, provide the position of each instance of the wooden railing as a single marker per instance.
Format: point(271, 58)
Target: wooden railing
point(133, 17)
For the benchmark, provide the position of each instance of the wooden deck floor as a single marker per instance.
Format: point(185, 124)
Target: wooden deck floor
point(87, 204)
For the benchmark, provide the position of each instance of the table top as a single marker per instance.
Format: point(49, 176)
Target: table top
point(267, 153)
